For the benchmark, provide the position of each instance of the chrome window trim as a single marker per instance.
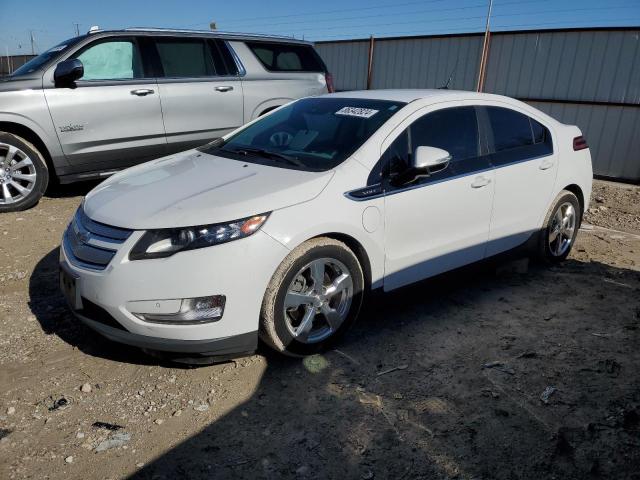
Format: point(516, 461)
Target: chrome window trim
point(422, 185)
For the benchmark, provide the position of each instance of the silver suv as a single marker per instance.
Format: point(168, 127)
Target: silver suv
point(110, 99)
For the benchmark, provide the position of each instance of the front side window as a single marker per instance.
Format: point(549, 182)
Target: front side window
point(313, 134)
point(283, 57)
point(452, 129)
point(516, 136)
point(184, 57)
point(116, 59)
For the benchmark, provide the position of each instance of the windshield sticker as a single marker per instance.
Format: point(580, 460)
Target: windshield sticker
point(357, 112)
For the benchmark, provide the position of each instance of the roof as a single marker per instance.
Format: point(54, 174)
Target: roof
point(410, 95)
point(211, 33)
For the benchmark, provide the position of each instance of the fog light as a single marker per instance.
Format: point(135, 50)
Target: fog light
point(192, 311)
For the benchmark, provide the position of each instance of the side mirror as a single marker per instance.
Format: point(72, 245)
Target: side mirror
point(67, 72)
point(428, 160)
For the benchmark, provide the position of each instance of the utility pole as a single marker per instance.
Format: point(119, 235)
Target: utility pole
point(33, 43)
point(76, 26)
point(485, 51)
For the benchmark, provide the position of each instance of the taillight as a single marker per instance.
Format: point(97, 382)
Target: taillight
point(328, 78)
point(579, 143)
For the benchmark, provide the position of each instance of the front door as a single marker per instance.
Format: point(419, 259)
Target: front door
point(439, 222)
point(113, 117)
point(200, 91)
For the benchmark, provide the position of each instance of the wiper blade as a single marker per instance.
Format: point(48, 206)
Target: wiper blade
point(269, 154)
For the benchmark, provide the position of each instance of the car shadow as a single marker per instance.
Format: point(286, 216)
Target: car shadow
point(68, 190)
point(405, 394)
point(50, 309)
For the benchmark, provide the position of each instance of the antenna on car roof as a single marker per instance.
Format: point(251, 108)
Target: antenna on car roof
point(94, 29)
point(448, 82)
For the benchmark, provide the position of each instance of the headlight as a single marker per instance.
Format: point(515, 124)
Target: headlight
point(167, 241)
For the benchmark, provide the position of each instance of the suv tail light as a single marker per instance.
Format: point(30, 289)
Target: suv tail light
point(328, 78)
point(579, 143)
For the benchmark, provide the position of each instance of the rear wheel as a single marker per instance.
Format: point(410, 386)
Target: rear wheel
point(313, 298)
point(23, 173)
point(560, 228)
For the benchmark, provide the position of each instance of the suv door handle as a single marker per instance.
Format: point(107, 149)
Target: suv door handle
point(224, 88)
point(141, 92)
point(480, 182)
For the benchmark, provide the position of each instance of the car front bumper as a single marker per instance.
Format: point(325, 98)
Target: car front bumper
point(240, 270)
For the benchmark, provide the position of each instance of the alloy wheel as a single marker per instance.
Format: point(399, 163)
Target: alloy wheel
point(318, 300)
point(17, 174)
point(562, 229)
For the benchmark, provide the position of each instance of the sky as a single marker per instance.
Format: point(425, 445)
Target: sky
point(51, 22)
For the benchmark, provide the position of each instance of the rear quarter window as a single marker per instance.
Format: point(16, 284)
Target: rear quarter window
point(283, 57)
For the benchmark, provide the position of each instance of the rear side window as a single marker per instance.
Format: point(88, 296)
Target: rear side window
point(283, 57)
point(184, 57)
point(116, 59)
point(516, 136)
point(222, 59)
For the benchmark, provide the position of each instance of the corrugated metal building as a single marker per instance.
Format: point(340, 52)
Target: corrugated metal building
point(588, 77)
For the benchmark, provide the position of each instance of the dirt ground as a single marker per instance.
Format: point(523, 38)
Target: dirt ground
point(486, 373)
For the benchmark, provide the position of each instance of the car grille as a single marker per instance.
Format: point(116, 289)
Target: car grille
point(92, 245)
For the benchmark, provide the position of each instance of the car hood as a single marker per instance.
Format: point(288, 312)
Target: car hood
point(12, 84)
point(195, 188)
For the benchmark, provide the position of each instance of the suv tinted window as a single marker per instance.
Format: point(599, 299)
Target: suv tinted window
point(116, 59)
point(222, 59)
point(184, 57)
point(516, 136)
point(282, 57)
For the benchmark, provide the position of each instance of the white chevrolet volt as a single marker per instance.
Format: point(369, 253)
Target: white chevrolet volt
point(278, 229)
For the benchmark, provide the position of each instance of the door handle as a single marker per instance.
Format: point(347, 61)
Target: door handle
point(224, 88)
point(480, 182)
point(547, 164)
point(141, 92)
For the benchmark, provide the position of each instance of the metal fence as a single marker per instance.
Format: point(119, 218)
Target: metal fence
point(11, 63)
point(587, 77)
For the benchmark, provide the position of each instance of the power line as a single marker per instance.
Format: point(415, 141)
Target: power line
point(342, 10)
point(359, 17)
point(495, 28)
point(389, 14)
point(438, 20)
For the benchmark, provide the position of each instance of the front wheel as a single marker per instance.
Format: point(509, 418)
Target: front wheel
point(313, 297)
point(560, 228)
point(23, 174)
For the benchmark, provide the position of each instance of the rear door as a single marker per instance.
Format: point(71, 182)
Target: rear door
point(113, 116)
point(525, 170)
point(200, 90)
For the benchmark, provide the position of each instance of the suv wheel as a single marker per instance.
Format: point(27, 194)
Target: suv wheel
point(560, 228)
point(313, 298)
point(23, 174)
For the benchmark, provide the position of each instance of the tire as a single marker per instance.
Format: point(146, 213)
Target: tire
point(19, 189)
point(285, 329)
point(560, 225)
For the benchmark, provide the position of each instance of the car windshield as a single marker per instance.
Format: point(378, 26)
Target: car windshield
point(313, 134)
point(44, 58)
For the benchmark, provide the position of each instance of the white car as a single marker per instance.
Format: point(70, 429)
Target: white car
point(279, 228)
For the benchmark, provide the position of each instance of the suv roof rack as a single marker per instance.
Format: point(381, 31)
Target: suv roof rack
point(211, 32)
